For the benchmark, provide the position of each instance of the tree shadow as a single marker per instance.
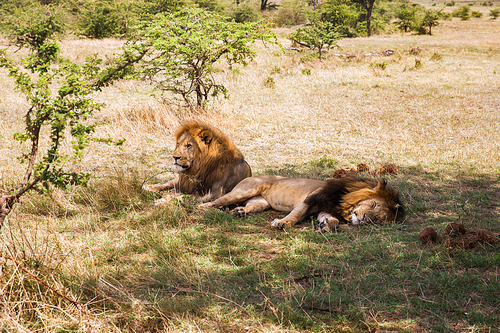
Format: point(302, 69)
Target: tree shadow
point(220, 268)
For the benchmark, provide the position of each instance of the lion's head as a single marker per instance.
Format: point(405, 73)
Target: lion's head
point(371, 202)
point(204, 156)
point(191, 147)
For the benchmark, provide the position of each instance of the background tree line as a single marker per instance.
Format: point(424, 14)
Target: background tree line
point(115, 18)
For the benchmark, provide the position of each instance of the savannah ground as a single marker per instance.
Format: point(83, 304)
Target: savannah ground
point(432, 109)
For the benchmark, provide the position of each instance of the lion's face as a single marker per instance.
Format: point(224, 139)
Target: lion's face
point(185, 153)
point(372, 210)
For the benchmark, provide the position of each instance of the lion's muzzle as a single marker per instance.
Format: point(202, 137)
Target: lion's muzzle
point(355, 220)
point(177, 165)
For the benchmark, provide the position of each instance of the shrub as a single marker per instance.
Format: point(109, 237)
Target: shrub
point(106, 18)
point(215, 6)
point(160, 6)
point(494, 13)
point(269, 82)
point(34, 25)
point(476, 14)
point(342, 16)
point(436, 57)
point(463, 12)
point(245, 12)
point(379, 65)
point(291, 13)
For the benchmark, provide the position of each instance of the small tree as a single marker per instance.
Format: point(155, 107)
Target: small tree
point(494, 13)
point(319, 35)
point(53, 116)
point(407, 18)
point(342, 16)
point(431, 19)
point(184, 47)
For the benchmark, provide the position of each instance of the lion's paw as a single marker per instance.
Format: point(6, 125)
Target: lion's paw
point(205, 205)
point(327, 224)
point(279, 224)
point(167, 199)
point(323, 227)
point(239, 212)
point(149, 188)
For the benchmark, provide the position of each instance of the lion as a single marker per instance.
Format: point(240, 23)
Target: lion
point(332, 201)
point(208, 163)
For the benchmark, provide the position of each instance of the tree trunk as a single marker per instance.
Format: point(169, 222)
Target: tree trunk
point(369, 11)
point(263, 5)
point(368, 5)
point(6, 203)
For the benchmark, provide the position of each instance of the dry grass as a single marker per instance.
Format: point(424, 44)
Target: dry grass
point(137, 268)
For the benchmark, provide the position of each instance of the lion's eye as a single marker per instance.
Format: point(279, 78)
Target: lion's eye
point(189, 145)
point(374, 205)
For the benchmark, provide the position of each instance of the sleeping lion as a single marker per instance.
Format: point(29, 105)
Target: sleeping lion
point(354, 200)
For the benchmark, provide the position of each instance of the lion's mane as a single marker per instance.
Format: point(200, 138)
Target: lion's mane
point(217, 157)
point(338, 197)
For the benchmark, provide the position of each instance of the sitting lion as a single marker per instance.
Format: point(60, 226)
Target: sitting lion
point(355, 200)
point(208, 163)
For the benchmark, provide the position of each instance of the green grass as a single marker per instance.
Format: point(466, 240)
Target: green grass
point(176, 267)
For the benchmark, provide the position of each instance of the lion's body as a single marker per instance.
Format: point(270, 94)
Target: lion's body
point(352, 200)
point(208, 163)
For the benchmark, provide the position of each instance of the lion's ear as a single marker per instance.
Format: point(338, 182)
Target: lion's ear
point(380, 185)
point(206, 136)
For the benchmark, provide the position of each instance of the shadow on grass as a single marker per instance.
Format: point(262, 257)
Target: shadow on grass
point(223, 274)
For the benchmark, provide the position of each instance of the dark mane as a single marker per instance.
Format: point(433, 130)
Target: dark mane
point(331, 197)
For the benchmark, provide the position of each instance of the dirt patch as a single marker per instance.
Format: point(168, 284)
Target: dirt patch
point(428, 235)
point(466, 239)
point(455, 229)
point(471, 239)
point(364, 168)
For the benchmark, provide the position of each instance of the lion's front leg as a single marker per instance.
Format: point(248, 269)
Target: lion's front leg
point(296, 215)
point(162, 186)
point(327, 222)
point(238, 195)
point(254, 205)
